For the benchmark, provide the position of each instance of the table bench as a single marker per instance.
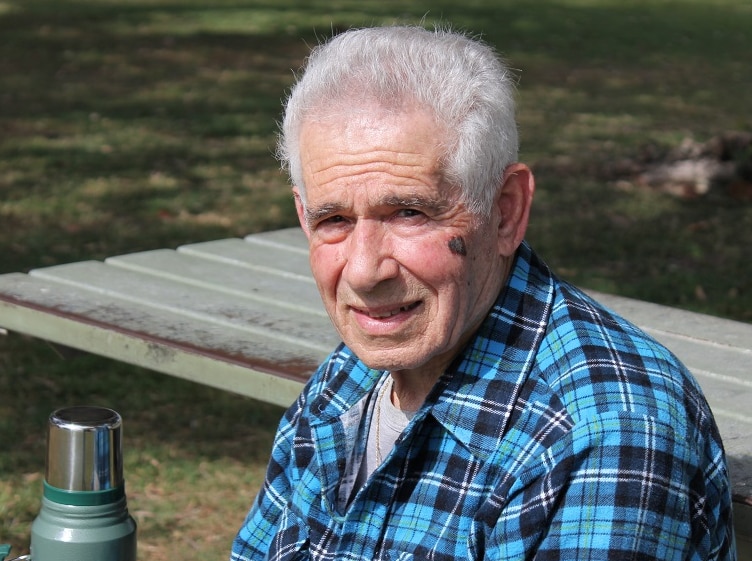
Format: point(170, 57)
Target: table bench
point(244, 315)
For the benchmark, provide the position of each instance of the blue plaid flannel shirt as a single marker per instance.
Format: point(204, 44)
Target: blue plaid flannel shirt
point(561, 432)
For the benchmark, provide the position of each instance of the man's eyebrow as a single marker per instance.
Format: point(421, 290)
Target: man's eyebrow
point(414, 201)
point(314, 214)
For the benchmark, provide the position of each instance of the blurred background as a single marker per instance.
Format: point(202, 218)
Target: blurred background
point(139, 124)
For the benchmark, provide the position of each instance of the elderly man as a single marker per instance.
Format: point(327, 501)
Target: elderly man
point(478, 407)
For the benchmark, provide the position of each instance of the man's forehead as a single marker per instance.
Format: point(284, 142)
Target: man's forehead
point(404, 150)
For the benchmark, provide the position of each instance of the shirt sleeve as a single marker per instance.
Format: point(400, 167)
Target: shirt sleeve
point(269, 532)
point(254, 539)
point(618, 486)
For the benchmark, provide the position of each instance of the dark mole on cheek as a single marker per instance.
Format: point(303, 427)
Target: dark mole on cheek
point(457, 246)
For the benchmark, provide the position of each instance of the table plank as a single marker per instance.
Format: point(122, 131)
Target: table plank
point(228, 305)
point(267, 376)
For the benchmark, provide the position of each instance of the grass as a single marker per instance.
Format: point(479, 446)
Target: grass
point(141, 124)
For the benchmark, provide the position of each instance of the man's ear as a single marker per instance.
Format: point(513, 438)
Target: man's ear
point(300, 208)
point(513, 204)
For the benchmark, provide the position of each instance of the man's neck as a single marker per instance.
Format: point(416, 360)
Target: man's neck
point(411, 388)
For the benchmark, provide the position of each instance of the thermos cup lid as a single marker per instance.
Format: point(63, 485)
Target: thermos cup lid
point(84, 449)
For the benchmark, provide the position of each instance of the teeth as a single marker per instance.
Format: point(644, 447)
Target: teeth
point(389, 314)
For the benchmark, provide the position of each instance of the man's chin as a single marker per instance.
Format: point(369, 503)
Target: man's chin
point(391, 360)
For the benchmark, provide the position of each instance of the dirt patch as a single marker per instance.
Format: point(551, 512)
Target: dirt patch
point(723, 164)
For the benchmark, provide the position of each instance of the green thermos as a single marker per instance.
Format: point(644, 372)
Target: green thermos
point(84, 515)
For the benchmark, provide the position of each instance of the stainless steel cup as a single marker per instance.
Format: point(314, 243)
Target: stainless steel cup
point(84, 449)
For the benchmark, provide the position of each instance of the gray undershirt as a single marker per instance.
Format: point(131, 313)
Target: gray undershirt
point(387, 424)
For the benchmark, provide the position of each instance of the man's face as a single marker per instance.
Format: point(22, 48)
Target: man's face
point(406, 272)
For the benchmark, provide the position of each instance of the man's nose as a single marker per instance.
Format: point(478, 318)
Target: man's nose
point(370, 258)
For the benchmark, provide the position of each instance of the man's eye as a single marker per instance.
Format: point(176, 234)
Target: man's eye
point(332, 220)
point(409, 213)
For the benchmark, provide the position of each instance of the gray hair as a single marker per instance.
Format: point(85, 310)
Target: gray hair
point(460, 80)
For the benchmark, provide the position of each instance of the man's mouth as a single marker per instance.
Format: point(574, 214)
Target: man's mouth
point(384, 314)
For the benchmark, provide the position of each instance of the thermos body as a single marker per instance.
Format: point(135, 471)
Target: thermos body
point(83, 533)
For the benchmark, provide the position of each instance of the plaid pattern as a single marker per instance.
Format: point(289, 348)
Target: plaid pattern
point(561, 433)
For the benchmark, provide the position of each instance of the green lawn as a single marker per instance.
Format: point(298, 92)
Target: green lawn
point(132, 125)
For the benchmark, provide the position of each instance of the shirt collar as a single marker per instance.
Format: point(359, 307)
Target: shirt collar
point(477, 394)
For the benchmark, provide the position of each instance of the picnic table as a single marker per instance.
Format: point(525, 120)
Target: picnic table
point(244, 315)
